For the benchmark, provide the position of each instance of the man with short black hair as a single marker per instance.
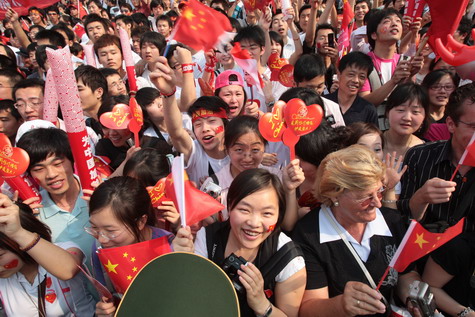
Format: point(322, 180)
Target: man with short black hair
point(52, 166)
point(28, 95)
point(427, 195)
point(309, 72)
point(353, 70)
point(8, 79)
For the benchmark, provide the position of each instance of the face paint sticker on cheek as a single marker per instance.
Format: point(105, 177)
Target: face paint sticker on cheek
point(11, 265)
point(219, 129)
point(271, 228)
point(385, 29)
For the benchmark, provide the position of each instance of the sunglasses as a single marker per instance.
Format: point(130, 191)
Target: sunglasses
point(367, 201)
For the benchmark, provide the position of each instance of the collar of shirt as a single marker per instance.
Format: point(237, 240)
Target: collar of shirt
point(376, 227)
point(50, 208)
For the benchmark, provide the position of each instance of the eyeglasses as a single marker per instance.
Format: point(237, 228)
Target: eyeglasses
point(445, 87)
point(367, 201)
point(95, 233)
point(34, 103)
point(118, 83)
point(470, 125)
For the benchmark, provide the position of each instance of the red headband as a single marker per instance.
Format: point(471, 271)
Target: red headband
point(204, 113)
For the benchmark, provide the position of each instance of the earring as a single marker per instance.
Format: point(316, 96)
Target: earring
point(336, 203)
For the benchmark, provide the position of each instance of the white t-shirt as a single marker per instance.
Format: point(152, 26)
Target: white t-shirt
point(63, 298)
point(198, 163)
point(225, 179)
point(289, 270)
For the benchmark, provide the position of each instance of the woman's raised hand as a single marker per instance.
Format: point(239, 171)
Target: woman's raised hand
point(9, 217)
point(252, 280)
point(292, 176)
point(183, 240)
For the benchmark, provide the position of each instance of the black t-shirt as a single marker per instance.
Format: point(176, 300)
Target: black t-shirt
point(360, 111)
point(457, 257)
point(116, 154)
point(332, 265)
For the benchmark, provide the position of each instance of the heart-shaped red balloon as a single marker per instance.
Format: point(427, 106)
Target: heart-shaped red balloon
point(286, 75)
point(300, 118)
point(271, 125)
point(136, 121)
point(13, 161)
point(157, 192)
point(118, 119)
point(275, 64)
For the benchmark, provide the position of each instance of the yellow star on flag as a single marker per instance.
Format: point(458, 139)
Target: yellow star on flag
point(129, 277)
point(111, 267)
point(188, 14)
point(132, 259)
point(420, 240)
point(126, 254)
point(134, 269)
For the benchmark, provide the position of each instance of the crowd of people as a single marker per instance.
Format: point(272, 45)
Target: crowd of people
point(318, 231)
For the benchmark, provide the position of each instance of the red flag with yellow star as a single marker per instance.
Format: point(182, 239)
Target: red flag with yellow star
point(200, 26)
point(123, 263)
point(418, 242)
point(199, 205)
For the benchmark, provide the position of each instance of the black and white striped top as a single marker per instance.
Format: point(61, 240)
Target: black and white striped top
point(431, 160)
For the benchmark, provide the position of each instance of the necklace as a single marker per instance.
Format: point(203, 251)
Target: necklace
point(393, 148)
point(40, 295)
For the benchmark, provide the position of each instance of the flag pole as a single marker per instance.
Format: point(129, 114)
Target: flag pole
point(383, 278)
point(455, 172)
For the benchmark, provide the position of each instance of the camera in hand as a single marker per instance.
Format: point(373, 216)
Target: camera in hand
point(422, 298)
point(230, 266)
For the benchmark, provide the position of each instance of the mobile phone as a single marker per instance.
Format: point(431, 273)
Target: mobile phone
point(331, 40)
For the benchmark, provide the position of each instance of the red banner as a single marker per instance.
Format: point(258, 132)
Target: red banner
point(21, 6)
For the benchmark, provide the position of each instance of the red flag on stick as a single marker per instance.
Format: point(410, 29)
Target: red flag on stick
point(248, 65)
point(468, 156)
point(418, 242)
point(122, 264)
point(200, 26)
point(193, 204)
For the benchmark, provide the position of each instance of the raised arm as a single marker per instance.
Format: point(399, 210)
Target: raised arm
point(164, 79)
point(54, 259)
point(298, 44)
point(188, 91)
point(20, 33)
point(264, 23)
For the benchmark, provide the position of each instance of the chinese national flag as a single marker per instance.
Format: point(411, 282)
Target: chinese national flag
point(123, 263)
point(199, 205)
point(445, 19)
point(418, 242)
point(468, 156)
point(248, 64)
point(200, 26)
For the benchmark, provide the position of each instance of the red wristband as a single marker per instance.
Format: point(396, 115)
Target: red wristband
point(169, 94)
point(186, 68)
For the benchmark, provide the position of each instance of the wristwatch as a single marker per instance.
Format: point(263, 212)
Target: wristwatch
point(268, 311)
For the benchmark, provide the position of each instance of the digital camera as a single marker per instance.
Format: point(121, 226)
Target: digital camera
point(230, 266)
point(422, 298)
